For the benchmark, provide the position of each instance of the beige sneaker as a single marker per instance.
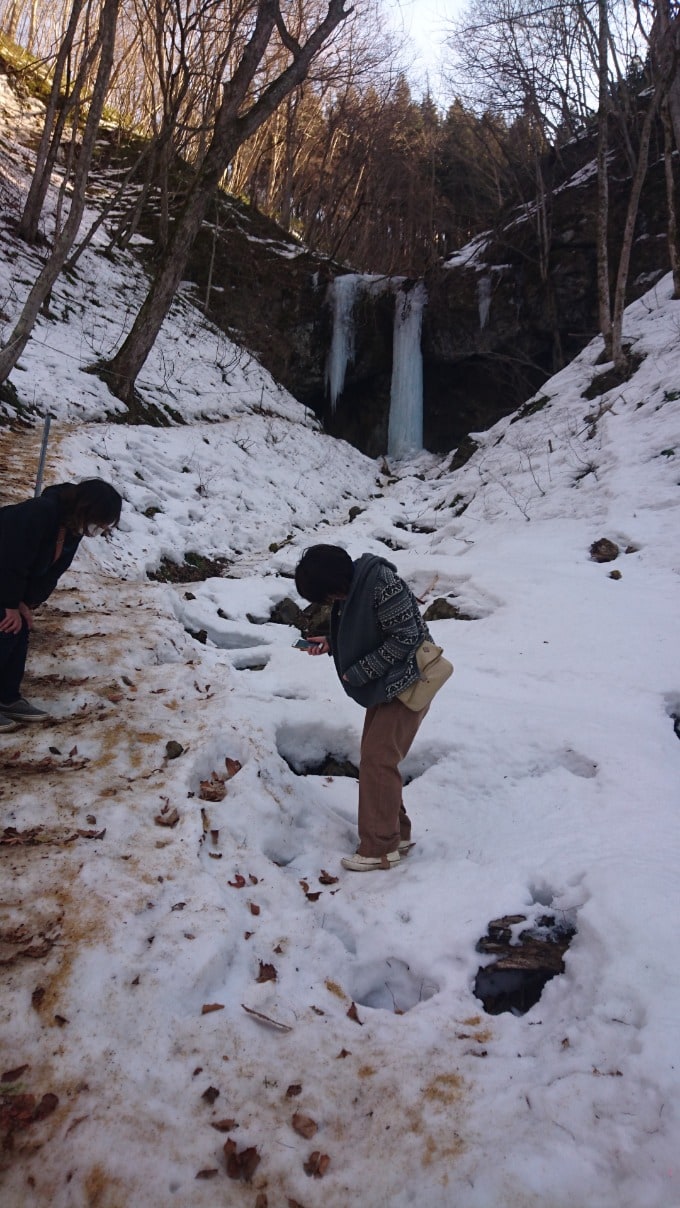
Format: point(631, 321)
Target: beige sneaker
point(358, 863)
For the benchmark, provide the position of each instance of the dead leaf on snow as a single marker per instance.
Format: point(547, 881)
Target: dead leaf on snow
point(353, 1014)
point(167, 817)
point(211, 1006)
point(14, 1075)
point(317, 1164)
point(210, 1094)
point(208, 1174)
point(267, 973)
point(294, 1089)
point(239, 882)
point(224, 1125)
point(304, 1125)
point(233, 766)
point(327, 878)
point(243, 1164)
point(212, 789)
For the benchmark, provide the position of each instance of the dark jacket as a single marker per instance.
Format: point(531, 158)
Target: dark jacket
point(375, 633)
point(28, 543)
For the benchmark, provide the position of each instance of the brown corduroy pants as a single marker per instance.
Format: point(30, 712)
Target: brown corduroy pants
point(389, 731)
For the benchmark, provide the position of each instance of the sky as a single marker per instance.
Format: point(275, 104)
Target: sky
point(425, 22)
point(185, 962)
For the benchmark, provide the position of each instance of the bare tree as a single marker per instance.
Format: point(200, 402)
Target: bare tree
point(243, 108)
point(10, 353)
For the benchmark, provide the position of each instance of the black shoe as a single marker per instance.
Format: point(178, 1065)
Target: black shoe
point(22, 710)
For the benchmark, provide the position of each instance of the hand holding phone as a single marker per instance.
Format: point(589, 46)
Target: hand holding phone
point(312, 645)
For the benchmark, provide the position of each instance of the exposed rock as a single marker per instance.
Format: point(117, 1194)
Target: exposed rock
point(316, 620)
point(463, 453)
point(442, 609)
point(286, 612)
point(194, 569)
point(516, 980)
point(604, 550)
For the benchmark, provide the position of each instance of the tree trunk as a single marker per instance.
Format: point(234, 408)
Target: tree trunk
point(51, 133)
point(618, 354)
point(603, 294)
point(671, 200)
point(230, 131)
point(64, 242)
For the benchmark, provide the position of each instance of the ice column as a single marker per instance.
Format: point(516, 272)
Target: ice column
point(341, 296)
point(405, 428)
point(484, 300)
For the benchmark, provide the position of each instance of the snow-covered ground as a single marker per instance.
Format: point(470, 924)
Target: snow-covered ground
point(546, 777)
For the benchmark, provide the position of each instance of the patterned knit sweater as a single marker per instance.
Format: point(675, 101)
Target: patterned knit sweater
point(375, 633)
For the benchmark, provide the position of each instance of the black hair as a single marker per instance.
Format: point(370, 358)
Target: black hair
point(323, 571)
point(88, 504)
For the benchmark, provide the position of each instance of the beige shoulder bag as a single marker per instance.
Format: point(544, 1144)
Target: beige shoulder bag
point(434, 671)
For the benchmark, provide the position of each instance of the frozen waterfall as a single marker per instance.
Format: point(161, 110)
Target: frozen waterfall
point(405, 429)
point(341, 297)
point(484, 300)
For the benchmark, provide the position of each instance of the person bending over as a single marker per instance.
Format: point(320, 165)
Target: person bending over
point(376, 628)
point(38, 542)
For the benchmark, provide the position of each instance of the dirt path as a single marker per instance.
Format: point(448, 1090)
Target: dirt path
point(62, 783)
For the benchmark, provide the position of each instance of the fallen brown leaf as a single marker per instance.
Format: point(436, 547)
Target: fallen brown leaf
point(267, 973)
point(171, 818)
point(317, 1164)
point(212, 789)
point(327, 878)
point(14, 1075)
point(243, 1164)
point(211, 1006)
point(353, 1014)
point(304, 1125)
point(224, 1125)
point(294, 1089)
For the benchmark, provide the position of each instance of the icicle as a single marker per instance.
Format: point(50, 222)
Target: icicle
point(341, 296)
point(484, 300)
point(405, 429)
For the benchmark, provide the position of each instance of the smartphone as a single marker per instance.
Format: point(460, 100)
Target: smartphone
point(303, 644)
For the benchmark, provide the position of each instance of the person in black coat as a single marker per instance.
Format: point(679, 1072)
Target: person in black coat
point(38, 542)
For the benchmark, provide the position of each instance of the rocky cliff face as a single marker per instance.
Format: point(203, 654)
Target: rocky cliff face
point(497, 322)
